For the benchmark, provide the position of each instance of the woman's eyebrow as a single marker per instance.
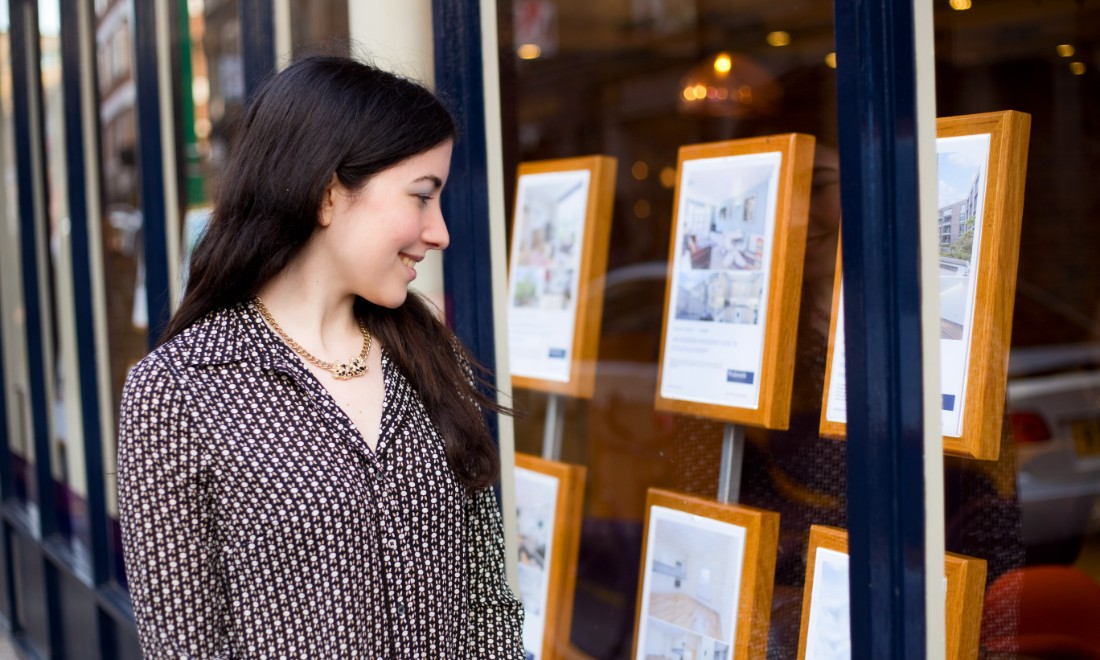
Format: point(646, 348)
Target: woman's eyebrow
point(436, 181)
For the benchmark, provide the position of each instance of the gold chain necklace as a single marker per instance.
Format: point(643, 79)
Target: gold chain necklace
point(342, 370)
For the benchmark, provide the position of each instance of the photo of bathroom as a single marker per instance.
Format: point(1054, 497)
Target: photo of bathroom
point(692, 587)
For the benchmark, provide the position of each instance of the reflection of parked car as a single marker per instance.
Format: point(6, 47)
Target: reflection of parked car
point(1054, 409)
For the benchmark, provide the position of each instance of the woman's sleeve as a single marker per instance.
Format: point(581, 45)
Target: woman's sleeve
point(494, 624)
point(167, 545)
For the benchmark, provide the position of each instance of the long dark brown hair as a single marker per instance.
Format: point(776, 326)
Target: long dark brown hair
point(319, 116)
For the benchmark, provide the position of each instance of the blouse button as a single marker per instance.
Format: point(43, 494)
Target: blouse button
point(400, 610)
point(391, 544)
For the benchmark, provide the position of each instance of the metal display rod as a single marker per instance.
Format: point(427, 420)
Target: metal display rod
point(729, 476)
point(555, 420)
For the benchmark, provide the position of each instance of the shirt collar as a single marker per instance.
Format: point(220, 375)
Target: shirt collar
point(232, 334)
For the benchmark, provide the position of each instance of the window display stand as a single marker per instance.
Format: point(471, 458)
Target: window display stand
point(764, 191)
point(729, 472)
point(552, 429)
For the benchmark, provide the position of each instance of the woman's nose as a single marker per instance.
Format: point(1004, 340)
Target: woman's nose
point(435, 232)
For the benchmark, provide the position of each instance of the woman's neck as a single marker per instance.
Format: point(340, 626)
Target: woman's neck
point(313, 312)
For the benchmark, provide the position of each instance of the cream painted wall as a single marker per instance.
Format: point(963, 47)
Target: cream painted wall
point(397, 36)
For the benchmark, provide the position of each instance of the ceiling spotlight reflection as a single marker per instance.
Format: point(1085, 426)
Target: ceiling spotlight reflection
point(1065, 50)
point(960, 5)
point(668, 176)
point(778, 38)
point(728, 85)
point(830, 60)
point(723, 63)
point(1077, 68)
point(529, 52)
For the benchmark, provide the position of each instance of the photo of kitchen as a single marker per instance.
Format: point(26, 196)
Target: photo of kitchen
point(692, 587)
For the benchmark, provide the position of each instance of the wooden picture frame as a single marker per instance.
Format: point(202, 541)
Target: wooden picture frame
point(557, 259)
point(986, 331)
point(965, 584)
point(672, 522)
point(732, 300)
point(555, 585)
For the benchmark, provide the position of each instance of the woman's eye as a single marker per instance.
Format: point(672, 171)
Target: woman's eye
point(424, 199)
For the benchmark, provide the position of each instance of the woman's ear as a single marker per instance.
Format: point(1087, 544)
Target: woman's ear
point(328, 201)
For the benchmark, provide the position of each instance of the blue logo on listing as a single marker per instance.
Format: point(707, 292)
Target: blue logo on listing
point(734, 376)
point(557, 353)
point(948, 401)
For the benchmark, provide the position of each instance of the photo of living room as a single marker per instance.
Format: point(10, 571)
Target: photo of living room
point(551, 217)
point(692, 587)
point(722, 215)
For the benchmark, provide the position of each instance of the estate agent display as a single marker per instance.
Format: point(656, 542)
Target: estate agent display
point(549, 500)
point(981, 162)
point(706, 579)
point(734, 274)
point(825, 631)
point(560, 231)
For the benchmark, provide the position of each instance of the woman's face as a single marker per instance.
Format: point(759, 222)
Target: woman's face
point(824, 227)
point(375, 237)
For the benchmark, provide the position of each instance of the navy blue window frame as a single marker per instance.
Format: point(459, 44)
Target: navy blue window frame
point(877, 92)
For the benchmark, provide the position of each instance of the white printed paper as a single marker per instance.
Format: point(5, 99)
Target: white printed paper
point(546, 259)
point(691, 587)
point(536, 505)
point(963, 170)
point(828, 633)
point(725, 229)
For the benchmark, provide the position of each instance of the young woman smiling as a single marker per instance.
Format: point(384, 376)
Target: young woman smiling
point(304, 469)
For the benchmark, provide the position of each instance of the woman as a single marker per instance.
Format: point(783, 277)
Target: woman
point(303, 465)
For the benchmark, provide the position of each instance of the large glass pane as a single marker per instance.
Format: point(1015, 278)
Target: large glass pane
point(638, 80)
point(11, 290)
point(1034, 515)
point(67, 438)
point(121, 224)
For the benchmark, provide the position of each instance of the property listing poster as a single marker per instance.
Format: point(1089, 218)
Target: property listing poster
point(691, 588)
point(536, 502)
point(828, 634)
point(725, 226)
point(963, 165)
point(546, 259)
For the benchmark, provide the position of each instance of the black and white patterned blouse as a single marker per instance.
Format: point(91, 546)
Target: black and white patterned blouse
point(256, 522)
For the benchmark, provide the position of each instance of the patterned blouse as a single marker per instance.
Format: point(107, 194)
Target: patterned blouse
point(257, 523)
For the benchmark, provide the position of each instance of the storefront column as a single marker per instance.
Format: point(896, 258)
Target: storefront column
point(474, 270)
point(886, 129)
